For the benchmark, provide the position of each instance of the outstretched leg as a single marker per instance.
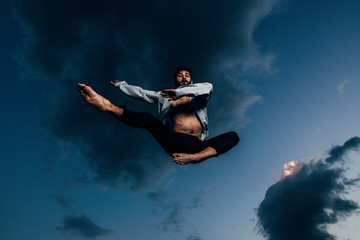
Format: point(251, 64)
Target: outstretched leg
point(164, 136)
point(98, 101)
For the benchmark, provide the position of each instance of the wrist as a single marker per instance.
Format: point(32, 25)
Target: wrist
point(173, 103)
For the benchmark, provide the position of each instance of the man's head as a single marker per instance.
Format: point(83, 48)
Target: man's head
point(182, 76)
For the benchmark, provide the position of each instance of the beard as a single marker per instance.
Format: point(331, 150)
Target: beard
point(184, 82)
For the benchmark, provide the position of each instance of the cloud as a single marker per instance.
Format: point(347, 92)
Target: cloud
point(174, 211)
point(193, 236)
point(341, 86)
point(142, 42)
point(77, 225)
point(308, 198)
point(338, 153)
point(82, 226)
point(64, 202)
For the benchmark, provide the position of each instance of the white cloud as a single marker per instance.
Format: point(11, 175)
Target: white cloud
point(341, 86)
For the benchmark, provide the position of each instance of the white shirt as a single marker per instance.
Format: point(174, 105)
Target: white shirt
point(199, 94)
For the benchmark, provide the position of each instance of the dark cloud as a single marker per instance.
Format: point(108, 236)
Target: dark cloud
point(82, 226)
point(157, 196)
point(64, 202)
point(338, 152)
point(140, 41)
point(308, 198)
point(74, 225)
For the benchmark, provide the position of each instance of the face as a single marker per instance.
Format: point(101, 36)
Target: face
point(183, 78)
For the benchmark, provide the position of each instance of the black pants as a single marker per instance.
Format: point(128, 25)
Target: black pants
point(174, 142)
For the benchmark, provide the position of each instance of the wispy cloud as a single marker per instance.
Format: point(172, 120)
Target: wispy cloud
point(82, 226)
point(174, 210)
point(64, 202)
point(341, 86)
point(194, 236)
point(308, 197)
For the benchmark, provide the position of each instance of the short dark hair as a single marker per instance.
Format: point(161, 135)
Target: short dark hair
point(182, 68)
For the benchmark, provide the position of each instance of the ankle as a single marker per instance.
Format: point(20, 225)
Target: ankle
point(115, 110)
point(109, 107)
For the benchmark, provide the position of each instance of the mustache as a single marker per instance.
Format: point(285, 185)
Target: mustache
point(184, 82)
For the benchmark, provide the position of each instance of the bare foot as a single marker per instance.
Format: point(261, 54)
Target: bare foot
point(93, 98)
point(184, 158)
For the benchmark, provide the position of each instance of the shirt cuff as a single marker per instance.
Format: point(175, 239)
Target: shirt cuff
point(119, 83)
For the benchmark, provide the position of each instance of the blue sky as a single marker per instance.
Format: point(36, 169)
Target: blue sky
point(285, 77)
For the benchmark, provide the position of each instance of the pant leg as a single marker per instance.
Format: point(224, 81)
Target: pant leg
point(174, 142)
point(141, 120)
point(171, 142)
point(223, 142)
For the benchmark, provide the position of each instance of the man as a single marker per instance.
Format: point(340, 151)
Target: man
point(182, 125)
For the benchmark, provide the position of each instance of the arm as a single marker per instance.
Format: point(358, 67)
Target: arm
point(180, 101)
point(194, 90)
point(186, 94)
point(170, 94)
point(137, 92)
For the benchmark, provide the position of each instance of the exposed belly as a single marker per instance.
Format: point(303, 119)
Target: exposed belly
point(186, 122)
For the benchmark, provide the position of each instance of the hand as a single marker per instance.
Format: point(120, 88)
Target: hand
point(169, 93)
point(113, 83)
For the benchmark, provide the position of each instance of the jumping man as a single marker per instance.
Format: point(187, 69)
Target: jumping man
point(182, 125)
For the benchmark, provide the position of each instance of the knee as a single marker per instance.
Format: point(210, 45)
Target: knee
point(234, 137)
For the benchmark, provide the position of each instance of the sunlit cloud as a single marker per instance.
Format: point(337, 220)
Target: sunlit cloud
point(308, 197)
point(289, 169)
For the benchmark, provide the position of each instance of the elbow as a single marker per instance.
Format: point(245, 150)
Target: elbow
point(209, 87)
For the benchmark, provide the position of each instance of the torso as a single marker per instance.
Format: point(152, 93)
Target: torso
point(184, 120)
